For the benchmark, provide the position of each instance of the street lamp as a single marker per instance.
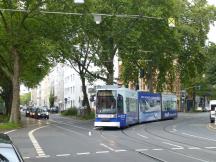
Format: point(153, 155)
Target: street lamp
point(79, 1)
point(97, 18)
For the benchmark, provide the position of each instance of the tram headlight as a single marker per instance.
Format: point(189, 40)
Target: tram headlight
point(106, 116)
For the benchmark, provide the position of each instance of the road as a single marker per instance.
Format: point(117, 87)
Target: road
point(185, 139)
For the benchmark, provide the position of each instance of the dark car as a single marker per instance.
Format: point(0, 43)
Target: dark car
point(32, 112)
point(41, 113)
point(54, 109)
point(27, 112)
point(8, 151)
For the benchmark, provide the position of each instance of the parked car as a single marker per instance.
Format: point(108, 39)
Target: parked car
point(212, 107)
point(8, 151)
point(54, 109)
point(28, 111)
point(32, 112)
point(41, 113)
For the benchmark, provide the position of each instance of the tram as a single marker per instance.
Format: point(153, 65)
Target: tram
point(122, 107)
point(116, 107)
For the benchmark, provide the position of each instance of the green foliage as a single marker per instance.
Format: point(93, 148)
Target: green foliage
point(70, 112)
point(4, 118)
point(74, 112)
point(89, 116)
point(9, 126)
point(25, 99)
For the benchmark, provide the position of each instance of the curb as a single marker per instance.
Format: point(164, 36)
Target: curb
point(212, 127)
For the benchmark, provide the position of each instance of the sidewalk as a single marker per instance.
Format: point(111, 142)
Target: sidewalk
point(212, 125)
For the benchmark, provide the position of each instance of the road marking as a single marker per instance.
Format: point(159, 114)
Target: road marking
point(26, 157)
point(60, 155)
point(102, 152)
point(157, 149)
point(110, 148)
point(120, 150)
point(35, 143)
point(142, 135)
point(83, 153)
point(140, 150)
point(209, 139)
point(177, 147)
point(10, 131)
point(194, 148)
point(44, 156)
point(210, 147)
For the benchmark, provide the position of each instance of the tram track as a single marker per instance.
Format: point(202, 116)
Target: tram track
point(157, 159)
point(165, 148)
point(164, 128)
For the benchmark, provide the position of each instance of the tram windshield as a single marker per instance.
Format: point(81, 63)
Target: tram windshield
point(106, 102)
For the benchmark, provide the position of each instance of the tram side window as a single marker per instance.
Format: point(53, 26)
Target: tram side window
point(120, 104)
point(131, 104)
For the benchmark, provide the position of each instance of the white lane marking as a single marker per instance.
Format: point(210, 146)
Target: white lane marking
point(26, 157)
point(102, 152)
point(209, 139)
point(157, 149)
point(9, 131)
point(35, 143)
point(194, 148)
point(60, 155)
point(44, 156)
point(110, 148)
point(142, 135)
point(83, 153)
point(210, 147)
point(90, 133)
point(140, 150)
point(177, 147)
point(120, 150)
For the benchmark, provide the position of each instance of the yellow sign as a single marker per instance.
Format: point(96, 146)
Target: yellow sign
point(171, 22)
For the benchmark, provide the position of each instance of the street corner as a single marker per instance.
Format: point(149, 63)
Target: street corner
point(212, 126)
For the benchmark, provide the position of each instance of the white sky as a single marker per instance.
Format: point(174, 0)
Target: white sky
point(212, 32)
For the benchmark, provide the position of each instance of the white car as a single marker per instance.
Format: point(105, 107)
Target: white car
point(212, 107)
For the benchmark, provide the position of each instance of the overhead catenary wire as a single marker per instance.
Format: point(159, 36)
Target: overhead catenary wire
point(80, 14)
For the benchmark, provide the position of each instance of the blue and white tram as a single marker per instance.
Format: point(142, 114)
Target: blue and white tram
point(149, 106)
point(116, 107)
point(169, 106)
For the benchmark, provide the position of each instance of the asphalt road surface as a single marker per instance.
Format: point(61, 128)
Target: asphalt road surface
point(189, 138)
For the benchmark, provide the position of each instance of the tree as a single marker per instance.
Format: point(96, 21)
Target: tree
point(51, 98)
point(25, 99)
point(23, 47)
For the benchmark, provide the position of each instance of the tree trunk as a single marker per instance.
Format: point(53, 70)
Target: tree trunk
point(110, 75)
point(150, 80)
point(15, 113)
point(85, 101)
point(7, 96)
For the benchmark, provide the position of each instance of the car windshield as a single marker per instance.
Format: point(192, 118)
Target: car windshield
point(213, 107)
point(106, 102)
point(8, 155)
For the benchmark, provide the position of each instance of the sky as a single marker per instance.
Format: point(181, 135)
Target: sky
point(212, 32)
